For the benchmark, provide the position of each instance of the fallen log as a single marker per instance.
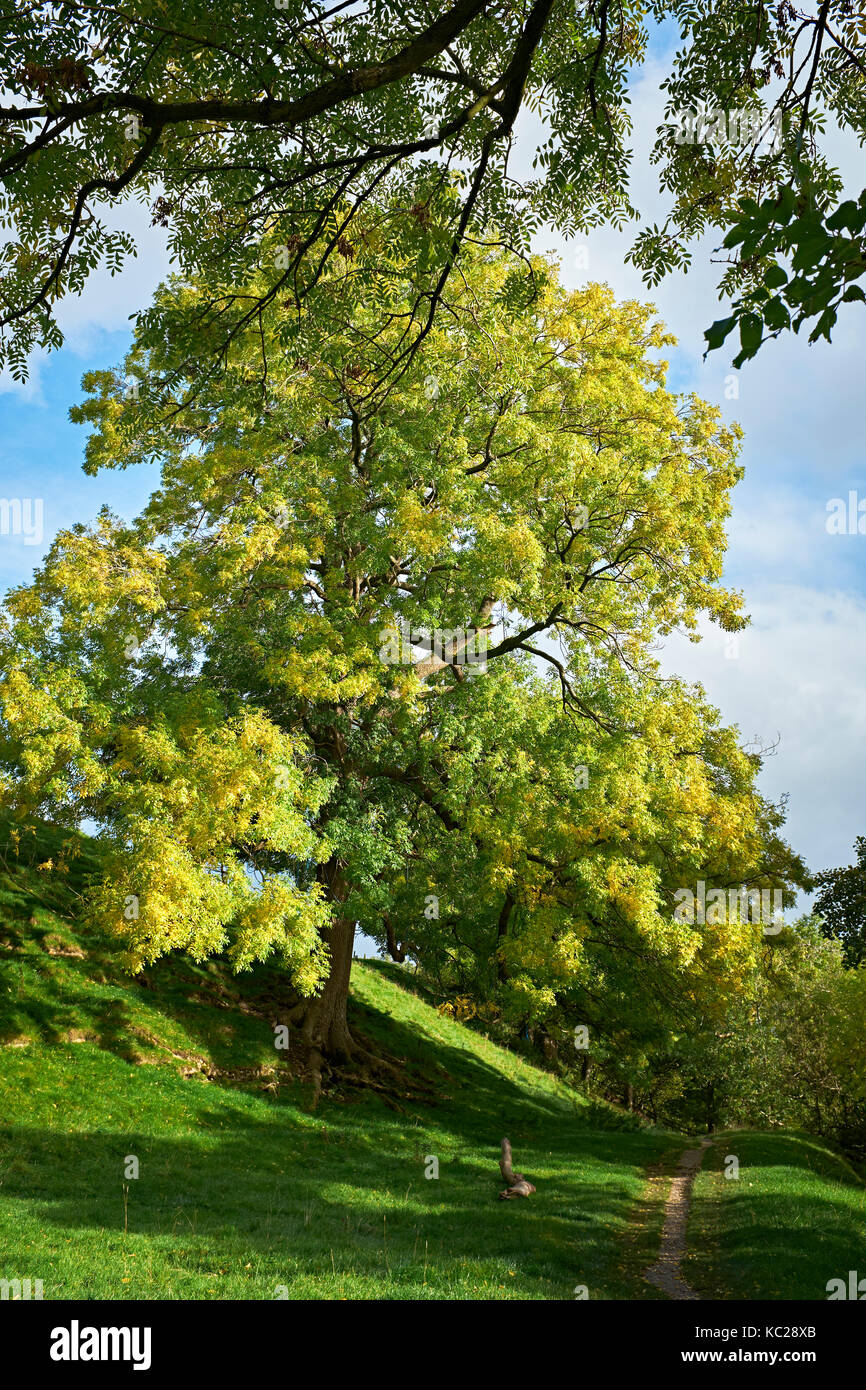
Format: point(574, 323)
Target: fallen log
point(518, 1185)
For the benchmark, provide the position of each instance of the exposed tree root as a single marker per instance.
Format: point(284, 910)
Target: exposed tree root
point(356, 1065)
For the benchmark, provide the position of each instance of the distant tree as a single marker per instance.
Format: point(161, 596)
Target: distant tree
point(785, 1048)
point(841, 904)
point(814, 1011)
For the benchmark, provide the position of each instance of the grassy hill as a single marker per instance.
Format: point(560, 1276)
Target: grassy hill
point(244, 1189)
point(247, 1191)
point(793, 1219)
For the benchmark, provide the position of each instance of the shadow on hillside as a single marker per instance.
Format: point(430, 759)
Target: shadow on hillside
point(795, 1149)
point(229, 1021)
point(296, 1195)
point(66, 986)
point(78, 1013)
point(794, 1256)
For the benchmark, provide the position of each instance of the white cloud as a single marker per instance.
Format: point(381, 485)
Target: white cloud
point(798, 678)
point(108, 300)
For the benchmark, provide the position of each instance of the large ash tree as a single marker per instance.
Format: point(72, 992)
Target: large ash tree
point(286, 119)
point(239, 691)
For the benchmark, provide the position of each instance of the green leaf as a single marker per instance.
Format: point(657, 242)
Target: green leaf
point(718, 332)
point(776, 316)
point(738, 233)
point(848, 214)
point(751, 333)
point(775, 276)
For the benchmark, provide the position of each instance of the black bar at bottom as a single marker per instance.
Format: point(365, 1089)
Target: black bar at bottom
point(86, 1340)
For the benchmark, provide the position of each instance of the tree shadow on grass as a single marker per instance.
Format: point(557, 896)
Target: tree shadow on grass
point(226, 1025)
point(794, 1219)
point(294, 1199)
point(785, 1255)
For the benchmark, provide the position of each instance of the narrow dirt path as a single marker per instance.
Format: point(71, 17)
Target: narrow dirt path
point(665, 1273)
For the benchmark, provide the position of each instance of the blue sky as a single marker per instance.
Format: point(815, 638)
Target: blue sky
point(41, 452)
point(799, 673)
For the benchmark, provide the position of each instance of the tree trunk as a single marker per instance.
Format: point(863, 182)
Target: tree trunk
point(325, 1027)
point(325, 1023)
point(322, 1021)
point(396, 949)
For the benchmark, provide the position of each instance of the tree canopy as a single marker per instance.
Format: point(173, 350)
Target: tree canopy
point(390, 659)
point(257, 133)
point(841, 905)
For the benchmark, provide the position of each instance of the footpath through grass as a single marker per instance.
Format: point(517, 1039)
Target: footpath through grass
point(243, 1190)
point(793, 1219)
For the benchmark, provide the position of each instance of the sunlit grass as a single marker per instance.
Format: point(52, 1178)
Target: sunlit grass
point(246, 1192)
point(793, 1219)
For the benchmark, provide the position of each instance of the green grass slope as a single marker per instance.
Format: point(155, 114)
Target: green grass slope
point(246, 1191)
point(793, 1219)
